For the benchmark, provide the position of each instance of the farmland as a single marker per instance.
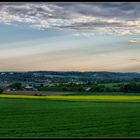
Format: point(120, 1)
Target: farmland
point(69, 116)
point(77, 98)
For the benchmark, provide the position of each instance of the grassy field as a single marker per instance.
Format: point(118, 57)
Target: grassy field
point(68, 118)
point(104, 93)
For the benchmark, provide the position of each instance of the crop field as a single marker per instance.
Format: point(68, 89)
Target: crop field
point(78, 97)
point(69, 116)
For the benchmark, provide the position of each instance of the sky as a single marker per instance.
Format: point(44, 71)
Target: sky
point(70, 36)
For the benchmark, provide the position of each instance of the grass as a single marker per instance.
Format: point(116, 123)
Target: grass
point(68, 118)
point(105, 93)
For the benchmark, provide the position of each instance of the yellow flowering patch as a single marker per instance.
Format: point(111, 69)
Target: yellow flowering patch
point(77, 97)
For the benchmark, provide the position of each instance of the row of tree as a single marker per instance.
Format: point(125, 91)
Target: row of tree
point(129, 87)
point(94, 87)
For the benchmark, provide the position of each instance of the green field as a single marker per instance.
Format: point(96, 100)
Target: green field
point(69, 117)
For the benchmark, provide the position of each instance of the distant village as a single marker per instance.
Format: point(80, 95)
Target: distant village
point(64, 81)
point(35, 82)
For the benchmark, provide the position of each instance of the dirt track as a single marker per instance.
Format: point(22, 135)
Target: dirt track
point(37, 93)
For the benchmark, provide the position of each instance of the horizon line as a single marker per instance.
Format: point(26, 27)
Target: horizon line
point(67, 71)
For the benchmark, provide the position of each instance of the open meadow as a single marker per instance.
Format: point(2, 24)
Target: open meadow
point(69, 116)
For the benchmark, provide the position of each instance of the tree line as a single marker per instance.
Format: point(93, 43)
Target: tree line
point(96, 87)
point(93, 87)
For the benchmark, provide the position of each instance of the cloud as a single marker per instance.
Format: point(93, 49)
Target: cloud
point(135, 40)
point(134, 59)
point(116, 17)
point(83, 34)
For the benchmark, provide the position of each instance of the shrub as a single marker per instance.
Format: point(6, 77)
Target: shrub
point(1, 91)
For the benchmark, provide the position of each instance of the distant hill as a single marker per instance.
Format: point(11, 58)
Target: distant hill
point(68, 76)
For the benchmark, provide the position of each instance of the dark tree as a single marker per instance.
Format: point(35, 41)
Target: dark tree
point(17, 86)
point(1, 91)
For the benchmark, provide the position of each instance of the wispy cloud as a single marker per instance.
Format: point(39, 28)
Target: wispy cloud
point(135, 40)
point(117, 18)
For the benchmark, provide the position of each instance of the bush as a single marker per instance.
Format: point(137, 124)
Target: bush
point(98, 88)
point(17, 86)
point(130, 87)
point(1, 91)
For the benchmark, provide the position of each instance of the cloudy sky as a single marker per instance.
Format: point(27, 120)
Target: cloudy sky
point(78, 36)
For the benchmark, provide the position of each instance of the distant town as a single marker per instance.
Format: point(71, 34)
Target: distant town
point(65, 81)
